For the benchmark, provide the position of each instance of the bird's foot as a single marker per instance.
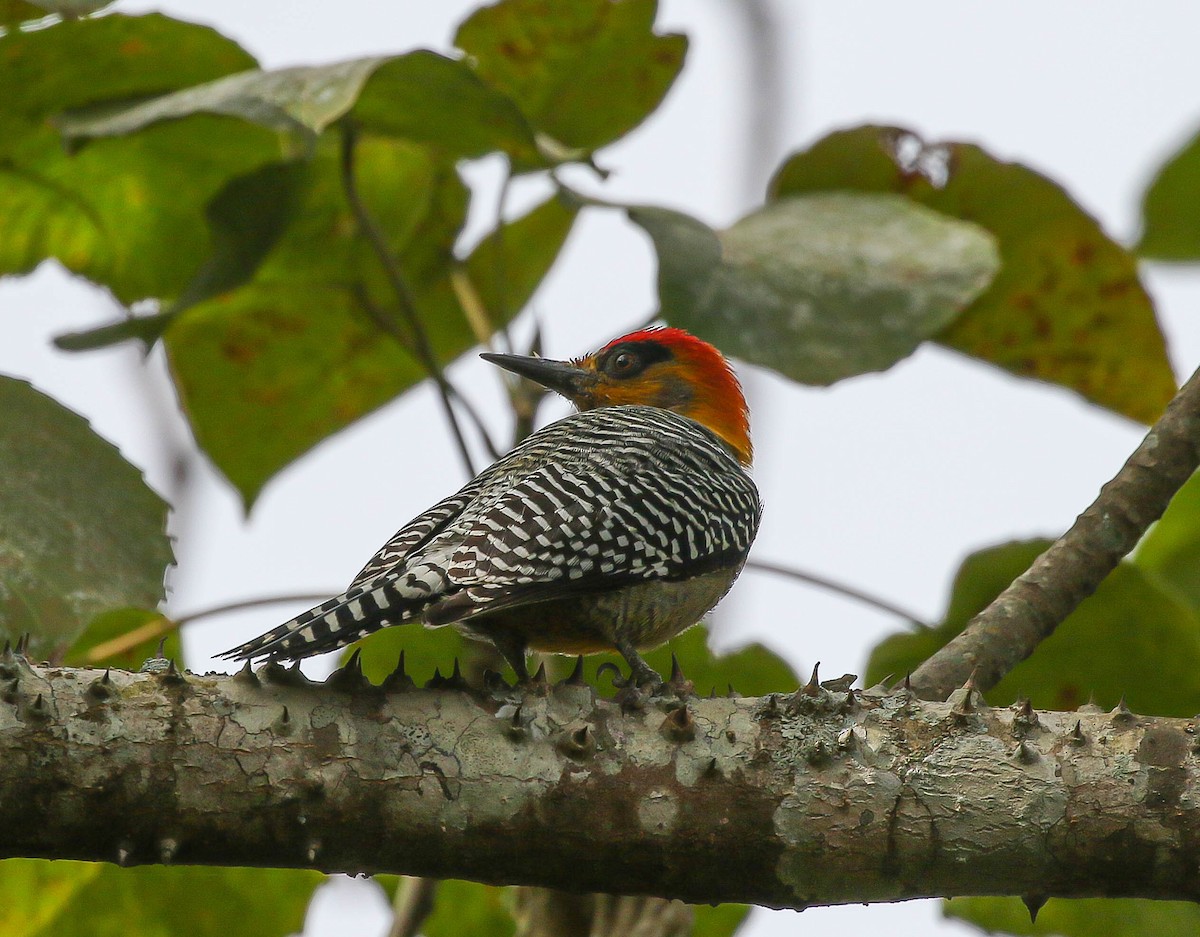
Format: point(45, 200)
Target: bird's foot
point(642, 678)
point(634, 691)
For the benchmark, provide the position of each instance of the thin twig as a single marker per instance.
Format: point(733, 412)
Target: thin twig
point(526, 396)
point(501, 267)
point(477, 318)
point(404, 298)
point(477, 422)
point(412, 905)
point(388, 325)
point(765, 92)
point(1028, 611)
point(157, 627)
point(848, 591)
point(472, 306)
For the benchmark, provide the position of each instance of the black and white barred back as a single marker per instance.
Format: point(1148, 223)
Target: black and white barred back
point(598, 500)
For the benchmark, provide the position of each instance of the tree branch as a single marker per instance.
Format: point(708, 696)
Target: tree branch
point(1028, 611)
point(823, 797)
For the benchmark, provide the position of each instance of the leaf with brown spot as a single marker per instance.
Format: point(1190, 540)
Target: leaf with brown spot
point(1067, 305)
point(116, 211)
point(271, 368)
point(13, 12)
point(585, 72)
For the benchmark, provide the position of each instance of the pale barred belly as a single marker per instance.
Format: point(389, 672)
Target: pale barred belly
point(646, 615)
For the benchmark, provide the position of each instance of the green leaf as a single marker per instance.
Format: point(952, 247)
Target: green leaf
point(820, 287)
point(80, 533)
point(1067, 305)
point(1111, 646)
point(722, 920)
point(36, 893)
point(751, 670)
point(109, 625)
point(268, 370)
point(1170, 551)
point(39, 898)
point(441, 102)
point(49, 71)
point(420, 96)
point(1080, 917)
point(13, 12)
point(469, 908)
point(585, 73)
point(71, 8)
point(246, 218)
point(484, 911)
point(125, 213)
point(1171, 208)
point(425, 650)
point(298, 102)
point(508, 265)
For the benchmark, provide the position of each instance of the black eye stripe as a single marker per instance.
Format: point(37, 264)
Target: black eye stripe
point(644, 354)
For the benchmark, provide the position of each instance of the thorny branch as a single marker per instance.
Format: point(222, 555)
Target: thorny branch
point(823, 796)
point(1028, 611)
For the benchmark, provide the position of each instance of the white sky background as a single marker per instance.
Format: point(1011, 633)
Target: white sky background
point(884, 481)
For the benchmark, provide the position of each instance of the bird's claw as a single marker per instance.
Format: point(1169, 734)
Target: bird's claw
point(634, 691)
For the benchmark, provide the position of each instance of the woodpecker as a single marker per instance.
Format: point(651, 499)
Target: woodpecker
point(616, 527)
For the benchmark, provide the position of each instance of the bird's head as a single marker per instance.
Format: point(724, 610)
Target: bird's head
point(659, 367)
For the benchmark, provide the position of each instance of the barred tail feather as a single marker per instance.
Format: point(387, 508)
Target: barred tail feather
point(334, 623)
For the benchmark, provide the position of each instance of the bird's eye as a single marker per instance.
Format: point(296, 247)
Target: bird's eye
point(622, 363)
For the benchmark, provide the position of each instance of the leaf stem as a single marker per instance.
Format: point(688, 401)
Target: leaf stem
point(412, 905)
point(418, 339)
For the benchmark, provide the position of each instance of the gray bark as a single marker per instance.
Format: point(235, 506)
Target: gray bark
point(820, 797)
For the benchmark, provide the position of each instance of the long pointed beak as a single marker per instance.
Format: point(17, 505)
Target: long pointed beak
point(560, 376)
